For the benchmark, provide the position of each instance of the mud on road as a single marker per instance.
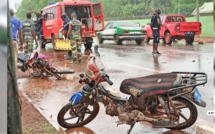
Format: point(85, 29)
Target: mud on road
point(51, 94)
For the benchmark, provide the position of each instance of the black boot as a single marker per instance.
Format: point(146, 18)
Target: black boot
point(70, 53)
point(156, 49)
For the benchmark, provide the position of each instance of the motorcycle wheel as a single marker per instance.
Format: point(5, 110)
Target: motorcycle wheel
point(78, 115)
point(187, 113)
point(54, 70)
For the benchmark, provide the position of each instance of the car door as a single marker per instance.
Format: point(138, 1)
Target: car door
point(98, 20)
point(112, 30)
point(108, 32)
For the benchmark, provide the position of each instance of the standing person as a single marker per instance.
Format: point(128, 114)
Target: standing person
point(155, 26)
point(28, 31)
point(16, 27)
point(74, 33)
point(66, 21)
point(39, 25)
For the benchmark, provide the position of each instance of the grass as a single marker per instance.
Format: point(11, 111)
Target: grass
point(39, 128)
point(207, 24)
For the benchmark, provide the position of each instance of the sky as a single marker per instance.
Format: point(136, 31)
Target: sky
point(12, 3)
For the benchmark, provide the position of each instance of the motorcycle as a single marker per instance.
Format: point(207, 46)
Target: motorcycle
point(165, 100)
point(40, 66)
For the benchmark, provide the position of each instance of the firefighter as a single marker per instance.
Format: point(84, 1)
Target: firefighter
point(74, 33)
point(28, 31)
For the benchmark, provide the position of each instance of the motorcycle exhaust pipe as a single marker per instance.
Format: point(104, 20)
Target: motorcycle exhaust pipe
point(57, 76)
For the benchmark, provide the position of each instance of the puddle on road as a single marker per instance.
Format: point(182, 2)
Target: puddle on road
point(53, 94)
point(79, 130)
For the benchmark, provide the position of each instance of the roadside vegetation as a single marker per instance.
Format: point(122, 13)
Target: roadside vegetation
point(136, 10)
point(207, 24)
point(122, 9)
point(39, 128)
point(32, 121)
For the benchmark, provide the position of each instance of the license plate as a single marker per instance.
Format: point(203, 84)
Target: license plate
point(197, 95)
point(189, 33)
point(136, 36)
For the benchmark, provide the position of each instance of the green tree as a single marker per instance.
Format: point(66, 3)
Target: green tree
point(122, 9)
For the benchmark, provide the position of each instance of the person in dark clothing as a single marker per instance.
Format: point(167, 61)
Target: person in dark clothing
point(155, 26)
point(66, 21)
point(39, 26)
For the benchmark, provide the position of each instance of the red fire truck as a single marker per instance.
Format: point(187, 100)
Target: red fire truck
point(91, 15)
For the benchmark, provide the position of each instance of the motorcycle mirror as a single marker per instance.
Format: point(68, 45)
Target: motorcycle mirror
point(81, 75)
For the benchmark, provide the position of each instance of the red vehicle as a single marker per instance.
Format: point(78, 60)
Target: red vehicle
point(176, 28)
point(91, 15)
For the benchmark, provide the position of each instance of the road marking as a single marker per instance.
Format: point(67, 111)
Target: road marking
point(143, 68)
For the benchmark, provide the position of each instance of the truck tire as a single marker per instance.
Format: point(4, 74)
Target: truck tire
point(146, 39)
point(117, 40)
point(167, 38)
point(189, 39)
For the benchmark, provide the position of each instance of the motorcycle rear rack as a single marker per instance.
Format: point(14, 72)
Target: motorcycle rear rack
point(189, 80)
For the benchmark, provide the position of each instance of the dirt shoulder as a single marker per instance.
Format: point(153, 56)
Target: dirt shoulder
point(32, 121)
point(204, 39)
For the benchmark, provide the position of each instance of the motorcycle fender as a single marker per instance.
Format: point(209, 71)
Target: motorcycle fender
point(75, 98)
point(201, 103)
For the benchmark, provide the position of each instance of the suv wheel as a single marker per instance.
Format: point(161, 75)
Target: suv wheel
point(168, 38)
point(117, 40)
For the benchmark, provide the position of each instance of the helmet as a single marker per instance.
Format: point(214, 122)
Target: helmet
point(63, 16)
point(158, 11)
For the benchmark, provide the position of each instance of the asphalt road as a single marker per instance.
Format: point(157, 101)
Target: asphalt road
point(122, 62)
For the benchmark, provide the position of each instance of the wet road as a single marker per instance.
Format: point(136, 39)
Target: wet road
point(121, 62)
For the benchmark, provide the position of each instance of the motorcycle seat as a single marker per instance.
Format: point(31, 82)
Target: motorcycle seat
point(23, 57)
point(152, 84)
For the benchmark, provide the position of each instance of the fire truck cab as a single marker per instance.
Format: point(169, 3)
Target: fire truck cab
point(91, 15)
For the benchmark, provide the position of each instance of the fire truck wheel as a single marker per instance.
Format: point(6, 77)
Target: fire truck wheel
point(88, 45)
point(53, 41)
point(146, 39)
point(43, 44)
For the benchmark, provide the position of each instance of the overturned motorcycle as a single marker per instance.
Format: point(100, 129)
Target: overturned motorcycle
point(165, 100)
point(40, 66)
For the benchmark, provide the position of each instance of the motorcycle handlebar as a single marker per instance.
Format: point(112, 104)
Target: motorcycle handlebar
point(108, 80)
